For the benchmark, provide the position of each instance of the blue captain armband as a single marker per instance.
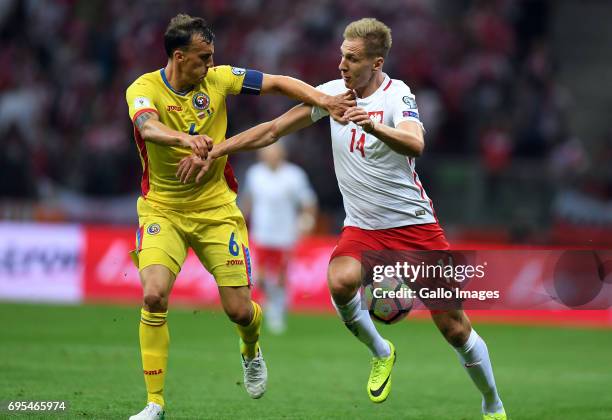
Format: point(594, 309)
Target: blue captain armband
point(251, 85)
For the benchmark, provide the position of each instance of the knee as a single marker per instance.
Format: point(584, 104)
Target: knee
point(456, 334)
point(155, 301)
point(343, 283)
point(156, 285)
point(455, 326)
point(239, 313)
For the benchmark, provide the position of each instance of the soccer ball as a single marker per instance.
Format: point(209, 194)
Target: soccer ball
point(389, 300)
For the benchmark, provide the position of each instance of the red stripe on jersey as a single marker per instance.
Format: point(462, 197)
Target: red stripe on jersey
point(230, 178)
point(418, 184)
point(417, 181)
point(142, 111)
point(144, 157)
point(388, 84)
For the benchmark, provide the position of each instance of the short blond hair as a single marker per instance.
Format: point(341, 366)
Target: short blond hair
point(375, 34)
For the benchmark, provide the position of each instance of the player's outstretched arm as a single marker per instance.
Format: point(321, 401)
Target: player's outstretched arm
point(256, 137)
point(153, 130)
point(264, 134)
point(406, 139)
point(303, 92)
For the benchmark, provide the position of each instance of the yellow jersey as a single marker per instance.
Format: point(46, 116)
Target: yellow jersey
point(201, 110)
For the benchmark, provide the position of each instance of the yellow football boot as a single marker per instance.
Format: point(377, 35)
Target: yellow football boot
point(379, 383)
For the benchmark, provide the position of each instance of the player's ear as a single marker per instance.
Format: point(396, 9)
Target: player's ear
point(178, 55)
point(378, 63)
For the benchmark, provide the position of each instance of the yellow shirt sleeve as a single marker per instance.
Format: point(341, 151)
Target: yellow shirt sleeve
point(140, 97)
point(235, 80)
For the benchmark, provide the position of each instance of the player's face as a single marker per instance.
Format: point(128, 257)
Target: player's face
point(272, 155)
point(196, 60)
point(355, 66)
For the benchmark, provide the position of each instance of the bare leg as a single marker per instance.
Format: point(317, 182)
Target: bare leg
point(473, 355)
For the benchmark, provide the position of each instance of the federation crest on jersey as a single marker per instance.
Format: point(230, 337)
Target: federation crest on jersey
point(238, 71)
point(376, 116)
point(411, 102)
point(200, 101)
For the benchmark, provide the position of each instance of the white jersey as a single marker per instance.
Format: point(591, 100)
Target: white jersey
point(276, 197)
point(380, 188)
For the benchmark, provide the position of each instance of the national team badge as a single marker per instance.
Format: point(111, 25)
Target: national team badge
point(200, 101)
point(237, 71)
point(376, 116)
point(409, 101)
point(153, 229)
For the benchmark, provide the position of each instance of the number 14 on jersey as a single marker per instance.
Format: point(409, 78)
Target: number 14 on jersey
point(360, 142)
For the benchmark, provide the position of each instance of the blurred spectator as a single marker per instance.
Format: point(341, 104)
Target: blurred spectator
point(17, 172)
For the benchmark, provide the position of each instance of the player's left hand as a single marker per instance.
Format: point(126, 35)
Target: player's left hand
point(191, 166)
point(360, 117)
point(339, 104)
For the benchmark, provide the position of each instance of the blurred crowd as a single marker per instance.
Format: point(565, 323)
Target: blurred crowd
point(483, 73)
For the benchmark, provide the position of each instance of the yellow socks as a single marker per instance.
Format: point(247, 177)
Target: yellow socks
point(154, 342)
point(250, 334)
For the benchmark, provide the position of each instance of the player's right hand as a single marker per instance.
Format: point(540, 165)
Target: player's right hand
point(200, 144)
point(191, 166)
point(337, 105)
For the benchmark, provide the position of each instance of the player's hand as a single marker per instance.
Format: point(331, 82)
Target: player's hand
point(360, 117)
point(191, 166)
point(339, 104)
point(305, 223)
point(200, 144)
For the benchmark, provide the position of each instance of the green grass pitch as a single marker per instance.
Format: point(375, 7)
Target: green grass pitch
point(89, 356)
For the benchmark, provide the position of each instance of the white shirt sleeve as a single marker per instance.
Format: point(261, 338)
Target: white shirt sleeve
point(317, 113)
point(404, 107)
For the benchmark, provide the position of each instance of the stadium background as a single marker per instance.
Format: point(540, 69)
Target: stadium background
point(514, 98)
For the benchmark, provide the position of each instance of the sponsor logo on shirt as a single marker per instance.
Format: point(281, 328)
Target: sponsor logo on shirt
point(238, 71)
point(410, 101)
point(141, 102)
point(410, 114)
point(234, 262)
point(200, 101)
point(176, 108)
point(419, 213)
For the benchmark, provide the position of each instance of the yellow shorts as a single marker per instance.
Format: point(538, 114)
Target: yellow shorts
point(218, 237)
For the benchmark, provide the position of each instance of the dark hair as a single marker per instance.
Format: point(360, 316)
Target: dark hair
point(182, 28)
